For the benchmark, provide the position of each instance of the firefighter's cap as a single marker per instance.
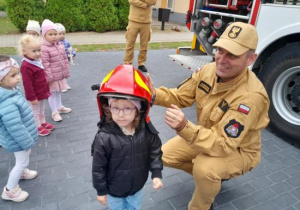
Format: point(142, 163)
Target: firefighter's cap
point(238, 38)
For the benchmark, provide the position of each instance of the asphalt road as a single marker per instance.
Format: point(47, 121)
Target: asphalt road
point(64, 163)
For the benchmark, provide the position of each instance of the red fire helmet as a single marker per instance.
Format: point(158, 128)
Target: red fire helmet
point(126, 82)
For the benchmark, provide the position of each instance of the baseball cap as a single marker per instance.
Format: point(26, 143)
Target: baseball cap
point(238, 38)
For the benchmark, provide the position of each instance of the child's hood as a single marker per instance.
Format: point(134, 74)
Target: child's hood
point(5, 93)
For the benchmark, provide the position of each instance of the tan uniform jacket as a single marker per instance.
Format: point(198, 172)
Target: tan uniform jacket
point(141, 10)
point(229, 115)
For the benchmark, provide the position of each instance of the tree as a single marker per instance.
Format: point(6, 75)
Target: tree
point(101, 15)
point(122, 7)
point(68, 13)
point(20, 11)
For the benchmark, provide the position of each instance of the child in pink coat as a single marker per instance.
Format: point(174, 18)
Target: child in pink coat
point(56, 66)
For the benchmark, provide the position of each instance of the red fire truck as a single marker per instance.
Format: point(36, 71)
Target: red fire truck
point(278, 63)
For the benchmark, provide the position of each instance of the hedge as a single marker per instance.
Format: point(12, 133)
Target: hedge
point(75, 15)
point(20, 11)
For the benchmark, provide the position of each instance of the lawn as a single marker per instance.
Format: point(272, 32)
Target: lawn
point(7, 27)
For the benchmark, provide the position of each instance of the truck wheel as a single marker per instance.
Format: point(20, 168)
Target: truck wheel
point(281, 77)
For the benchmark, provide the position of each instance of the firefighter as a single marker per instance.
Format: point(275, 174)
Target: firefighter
point(140, 18)
point(232, 107)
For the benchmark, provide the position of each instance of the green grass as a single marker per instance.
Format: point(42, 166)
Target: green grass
point(7, 27)
point(120, 47)
point(108, 47)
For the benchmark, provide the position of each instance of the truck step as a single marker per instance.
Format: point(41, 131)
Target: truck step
point(191, 62)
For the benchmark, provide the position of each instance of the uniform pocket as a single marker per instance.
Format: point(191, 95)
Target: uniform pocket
point(150, 33)
point(127, 32)
point(216, 115)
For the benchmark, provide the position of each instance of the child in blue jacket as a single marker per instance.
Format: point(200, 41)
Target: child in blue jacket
point(18, 132)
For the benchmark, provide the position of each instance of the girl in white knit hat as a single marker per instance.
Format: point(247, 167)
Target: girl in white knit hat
point(33, 28)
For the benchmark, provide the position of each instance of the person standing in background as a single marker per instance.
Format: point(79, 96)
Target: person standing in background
point(140, 18)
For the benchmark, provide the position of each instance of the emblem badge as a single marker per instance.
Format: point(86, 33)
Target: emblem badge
point(234, 32)
point(233, 129)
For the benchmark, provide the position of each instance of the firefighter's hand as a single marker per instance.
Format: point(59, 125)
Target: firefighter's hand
point(175, 118)
point(157, 183)
point(102, 199)
point(151, 84)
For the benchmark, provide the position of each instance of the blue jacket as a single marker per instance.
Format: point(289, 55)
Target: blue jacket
point(67, 46)
point(17, 126)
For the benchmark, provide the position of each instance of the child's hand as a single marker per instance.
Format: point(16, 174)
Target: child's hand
point(35, 102)
point(102, 199)
point(157, 183)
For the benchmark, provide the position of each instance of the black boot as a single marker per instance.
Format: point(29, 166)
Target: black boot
point(142, 68)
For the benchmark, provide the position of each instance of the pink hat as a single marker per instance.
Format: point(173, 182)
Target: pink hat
point(47, 25)
point(136, 103)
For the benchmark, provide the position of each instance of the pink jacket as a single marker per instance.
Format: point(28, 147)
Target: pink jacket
point(55, 61)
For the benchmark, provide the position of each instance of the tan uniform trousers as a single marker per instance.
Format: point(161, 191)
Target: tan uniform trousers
point(207, 171)
point(133, 29)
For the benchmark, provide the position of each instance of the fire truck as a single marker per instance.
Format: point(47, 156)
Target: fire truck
point(278, 62)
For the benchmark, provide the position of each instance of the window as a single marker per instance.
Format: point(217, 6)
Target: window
point(170, 5)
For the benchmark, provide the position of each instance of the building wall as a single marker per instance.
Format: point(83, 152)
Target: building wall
point(178, 14)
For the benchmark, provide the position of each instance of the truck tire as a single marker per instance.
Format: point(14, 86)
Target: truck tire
point(280, 75)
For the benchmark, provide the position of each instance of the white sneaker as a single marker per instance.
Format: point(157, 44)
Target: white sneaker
point(64, 110)
point(16, 194)
point(64, 91)
point(56, 117)
point(28, 174)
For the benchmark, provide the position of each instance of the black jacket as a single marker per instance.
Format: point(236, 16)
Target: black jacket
point(121, 163)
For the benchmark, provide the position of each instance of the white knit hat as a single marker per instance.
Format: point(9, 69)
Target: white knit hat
point(33, 25)
point(60, 27)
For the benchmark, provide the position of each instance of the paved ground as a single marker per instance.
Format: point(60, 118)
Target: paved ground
point(77, 38)
point(64, 163)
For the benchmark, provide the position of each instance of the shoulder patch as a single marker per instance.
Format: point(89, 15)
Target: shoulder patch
point(233, 129)
point(224, 106)
point(244, 109)
point(187, 79)
point(204, 86)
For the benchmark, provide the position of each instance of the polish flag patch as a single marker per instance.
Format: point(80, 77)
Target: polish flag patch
point(244, 109)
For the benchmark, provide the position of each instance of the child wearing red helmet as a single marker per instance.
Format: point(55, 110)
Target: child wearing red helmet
point(126, 146)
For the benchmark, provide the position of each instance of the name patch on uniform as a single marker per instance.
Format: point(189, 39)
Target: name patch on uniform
point(244, 109)
point(224, 105)
point(233, 129)
point(204, 86)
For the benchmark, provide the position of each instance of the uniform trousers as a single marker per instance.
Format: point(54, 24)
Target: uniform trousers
point(208, 171)
point(133, 29)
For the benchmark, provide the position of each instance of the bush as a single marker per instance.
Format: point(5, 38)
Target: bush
point(2, 5)
point(68, 13)
point(122, 12)
point(20, 11)
point(101, 15)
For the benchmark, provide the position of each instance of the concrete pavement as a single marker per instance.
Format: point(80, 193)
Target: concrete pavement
point(80, 38)
point(64, 163)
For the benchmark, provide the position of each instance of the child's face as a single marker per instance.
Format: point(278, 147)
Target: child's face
point(61, 35)
point(118, 108)
point(51, 36)
point(33, 50)
point(11, 79)
point(32, 33)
